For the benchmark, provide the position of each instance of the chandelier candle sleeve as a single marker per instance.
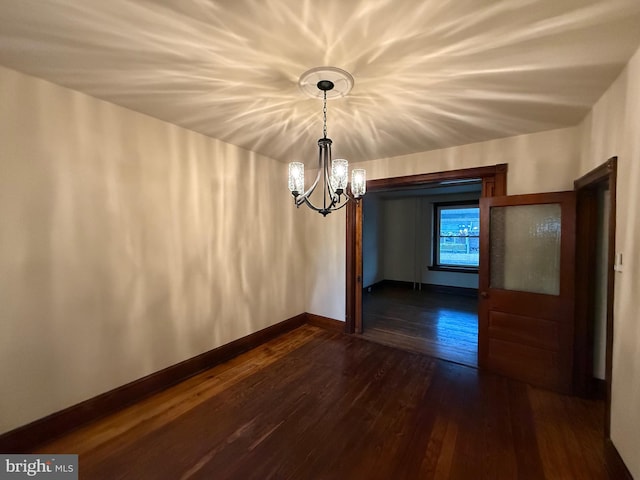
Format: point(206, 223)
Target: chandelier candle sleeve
point(358, 182)
point(296, 178)
point(339, 174)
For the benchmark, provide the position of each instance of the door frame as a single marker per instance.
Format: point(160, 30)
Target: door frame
point(586, 233)
point(494, 183)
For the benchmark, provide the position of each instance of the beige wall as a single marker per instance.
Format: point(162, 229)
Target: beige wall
point(613, 128)
point(545, 161)
point(127, 245)
point(325, 260)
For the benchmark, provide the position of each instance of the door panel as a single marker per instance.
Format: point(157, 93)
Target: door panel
point(526, 314)
point(534, 365)
point(526, 330)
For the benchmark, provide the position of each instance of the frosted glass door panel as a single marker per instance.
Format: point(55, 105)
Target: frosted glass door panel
point(525, 248)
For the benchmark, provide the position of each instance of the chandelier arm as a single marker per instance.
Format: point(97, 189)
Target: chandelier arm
point(322, 144)
point(306, 196)
point(304, 200)
point(325, 154)
point(327, 168)
point(324, 211)
point(312, 187)
point(346, 193)
point(342, 205)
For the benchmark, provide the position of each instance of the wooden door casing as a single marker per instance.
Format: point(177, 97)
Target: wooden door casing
point(494, 182)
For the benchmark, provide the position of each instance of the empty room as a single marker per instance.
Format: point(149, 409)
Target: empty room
point(319, 240)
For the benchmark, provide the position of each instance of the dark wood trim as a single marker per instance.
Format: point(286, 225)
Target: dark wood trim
point(357, 261)
point(26, 438)
point(584, 186)
point(325, 322)
point(586, 228)
point(611, 279)
point(349, 267)
point(597, 175)
point(598, 388)
point(350, 270)
point(457, 203)
point(426, 178)
point(494, 183)
point(499, 182)
point(615, 465)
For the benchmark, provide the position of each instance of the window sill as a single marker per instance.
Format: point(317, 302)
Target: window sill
point(442, 268)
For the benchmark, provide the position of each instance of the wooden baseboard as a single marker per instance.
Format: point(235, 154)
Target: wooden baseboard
point(450, 290)
point(428, 287)
point(326, 323)
point(26, 438)
point(373, 286)
point(396, 284)
point(615, 465)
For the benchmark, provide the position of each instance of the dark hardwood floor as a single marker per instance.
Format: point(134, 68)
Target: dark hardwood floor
point(439, 324)
point(313, 404)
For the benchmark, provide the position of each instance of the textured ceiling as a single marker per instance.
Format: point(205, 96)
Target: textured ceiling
point(428, 73)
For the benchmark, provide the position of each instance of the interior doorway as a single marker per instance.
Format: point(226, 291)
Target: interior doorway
point(420, 269)
point(493, 183)
point(595, 285)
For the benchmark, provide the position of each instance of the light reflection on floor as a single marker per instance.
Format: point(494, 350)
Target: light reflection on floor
point(442, 325)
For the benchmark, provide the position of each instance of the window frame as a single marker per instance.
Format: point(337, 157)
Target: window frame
point(435, 238)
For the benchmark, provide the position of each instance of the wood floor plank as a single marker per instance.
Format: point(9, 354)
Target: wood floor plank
point(441, 325)
point(168, 405)
point(521, 420)
point(315, 404)
point(569, 444)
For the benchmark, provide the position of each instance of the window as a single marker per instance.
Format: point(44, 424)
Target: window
point(456, 236)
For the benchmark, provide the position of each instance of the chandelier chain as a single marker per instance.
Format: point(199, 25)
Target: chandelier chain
point(324, 115)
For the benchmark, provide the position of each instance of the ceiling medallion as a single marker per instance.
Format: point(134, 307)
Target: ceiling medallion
point(342, 82)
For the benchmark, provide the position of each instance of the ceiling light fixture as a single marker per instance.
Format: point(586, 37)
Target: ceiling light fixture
point(334, 174)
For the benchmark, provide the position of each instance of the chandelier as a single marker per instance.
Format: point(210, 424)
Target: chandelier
point(333, 175)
